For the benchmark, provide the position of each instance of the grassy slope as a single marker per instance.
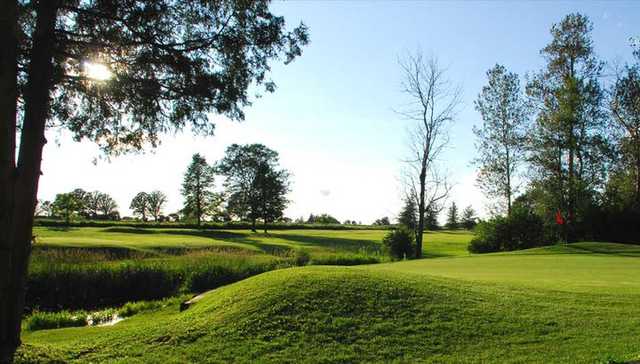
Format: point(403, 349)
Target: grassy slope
point(577, 303)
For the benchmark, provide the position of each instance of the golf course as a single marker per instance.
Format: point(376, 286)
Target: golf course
point(557, 304)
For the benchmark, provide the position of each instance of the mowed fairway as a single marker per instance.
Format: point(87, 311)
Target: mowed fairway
point(577, 303)
point(442, 243)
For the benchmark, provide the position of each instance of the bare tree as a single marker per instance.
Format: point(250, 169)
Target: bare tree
point(433, 101)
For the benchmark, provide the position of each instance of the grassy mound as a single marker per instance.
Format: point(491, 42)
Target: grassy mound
point(336, 314)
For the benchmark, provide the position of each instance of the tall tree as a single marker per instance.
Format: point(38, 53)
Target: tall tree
point(569, 144)
point(107, 206)
point(91, 201)
point(156, 201)
point(433, 102)
point(501, 138)
point(408, 215)
point(625, 108)
point(255, 184)
point(452, 216)
point(431, 216)
point(66, 205)
point(119, 73)
point(272, 186)
point(140, 205)
point(197, 188)
point(468, 218)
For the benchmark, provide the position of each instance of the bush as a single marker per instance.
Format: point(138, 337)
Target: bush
point(399, 243)
point(522, 230)
point(344, 259)
point(55, 320)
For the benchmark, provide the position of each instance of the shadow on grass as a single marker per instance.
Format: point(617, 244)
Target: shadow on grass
point(261, 240)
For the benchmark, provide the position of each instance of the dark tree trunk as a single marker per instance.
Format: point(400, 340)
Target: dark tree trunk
point(421, 209)
point(17, 220)
point(9, 334)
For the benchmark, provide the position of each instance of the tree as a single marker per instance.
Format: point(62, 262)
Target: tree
point(433, 105)
point(468, 218)
point(273, 186)
point(568, 144)
point(501, 138)
point(163, 65)
point(197, 188)
point(66, 205)
point(431, 217)
point(255, 184)
point(408, 215)
point(140, 205)
point(625, 108)
point(452, 216)
point(107, 206)
point(155, 202)
point(322, 219)
point(91, 203)
point(399, 243)
point(384, 221)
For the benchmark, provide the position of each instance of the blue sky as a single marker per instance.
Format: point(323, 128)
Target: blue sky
point(332, 117)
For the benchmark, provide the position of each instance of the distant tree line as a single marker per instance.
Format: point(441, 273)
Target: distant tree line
point(254, 189)
point(561, 153)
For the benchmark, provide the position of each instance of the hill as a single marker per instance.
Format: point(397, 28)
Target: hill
point(557, 304)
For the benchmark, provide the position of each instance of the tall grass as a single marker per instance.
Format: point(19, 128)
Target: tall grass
point(80, 280)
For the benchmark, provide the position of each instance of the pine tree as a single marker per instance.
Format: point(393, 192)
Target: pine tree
point(568, 144)
point(408, 215)
point(452, 216)
point(197, 189)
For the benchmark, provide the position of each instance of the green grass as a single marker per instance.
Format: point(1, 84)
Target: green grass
point(90, 268)
point(576, 303)
point(441, 243)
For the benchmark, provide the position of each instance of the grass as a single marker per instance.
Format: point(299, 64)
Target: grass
point(577, 303)
point(149, 241)
point(96, 267)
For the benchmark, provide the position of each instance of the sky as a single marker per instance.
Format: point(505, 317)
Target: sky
point(332, 117)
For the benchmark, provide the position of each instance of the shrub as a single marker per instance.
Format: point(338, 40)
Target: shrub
point(344, 259)
point(399, 243)
point(522, 230)
point(55, 320)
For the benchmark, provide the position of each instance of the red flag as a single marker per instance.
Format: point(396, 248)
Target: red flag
point(559, 218)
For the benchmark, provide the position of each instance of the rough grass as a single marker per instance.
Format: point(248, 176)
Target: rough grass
point(89, 267)
point(562, 304)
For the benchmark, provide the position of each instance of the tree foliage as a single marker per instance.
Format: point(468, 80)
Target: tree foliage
point(500, 139)
point(255, 184)
point(569, 145)
point(140, 205)
point(197, 189)
point(453, 221)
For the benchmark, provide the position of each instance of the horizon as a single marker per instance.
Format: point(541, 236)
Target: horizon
point(344, 145)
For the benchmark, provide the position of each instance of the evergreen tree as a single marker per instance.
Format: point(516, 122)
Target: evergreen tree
point(452, 216)
point(431, 217)
point(568, 144)
point(468, 218)
point(409, 215)
point(197, 189)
